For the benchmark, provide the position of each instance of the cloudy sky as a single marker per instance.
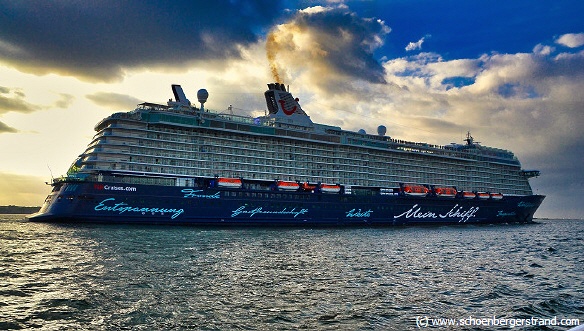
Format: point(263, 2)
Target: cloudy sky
point(511, 72)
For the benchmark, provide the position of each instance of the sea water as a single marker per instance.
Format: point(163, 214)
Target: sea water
point(122, 277)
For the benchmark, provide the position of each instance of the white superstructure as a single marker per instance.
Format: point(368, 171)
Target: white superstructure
point(178, 143)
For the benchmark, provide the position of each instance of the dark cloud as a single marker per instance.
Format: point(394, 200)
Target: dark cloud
point(349, 41)
point(14, 100)
point(331, 42)
point(7, 129)
point(114, 101)
point(96, 40)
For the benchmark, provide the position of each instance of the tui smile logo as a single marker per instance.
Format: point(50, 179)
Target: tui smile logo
point(286, 111)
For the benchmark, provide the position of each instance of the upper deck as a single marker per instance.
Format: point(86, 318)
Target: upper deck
point(153, 113)
point(181, 140)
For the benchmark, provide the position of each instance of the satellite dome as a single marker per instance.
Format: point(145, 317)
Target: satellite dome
point(381, 130)
point(361, 131)
point(202, 95)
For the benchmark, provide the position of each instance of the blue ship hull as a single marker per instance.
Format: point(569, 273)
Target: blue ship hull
point(129, 203)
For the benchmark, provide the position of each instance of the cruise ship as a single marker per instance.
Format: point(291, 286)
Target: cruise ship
point(182, 164)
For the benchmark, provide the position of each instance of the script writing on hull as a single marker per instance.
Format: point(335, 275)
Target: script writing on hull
point(358, 213)
point(190, 193)
point(122, 207)
point(457, 212)
point(260, 211)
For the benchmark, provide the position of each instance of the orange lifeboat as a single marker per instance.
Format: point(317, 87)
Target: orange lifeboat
point(308, 187)
point(229, 182)
point(467, 195)
point(483, 195)
point(447, 192)
point(326, 188)
point(287, 186)
point(415, 190)
point(496, 196)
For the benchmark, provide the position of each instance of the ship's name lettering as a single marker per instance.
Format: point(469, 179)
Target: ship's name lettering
point(503, 214)
point(122, 207)
point(456, 212)
point(358, 213)
point(190, 193)
point(241, 211)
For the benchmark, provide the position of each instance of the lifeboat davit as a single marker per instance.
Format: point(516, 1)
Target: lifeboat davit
point(415, 190)
point(467, 195)
point(229, 182)
point(288, 186)
point(326, 188)
point(446, 192)
point(483, 195)
point(496, 196)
